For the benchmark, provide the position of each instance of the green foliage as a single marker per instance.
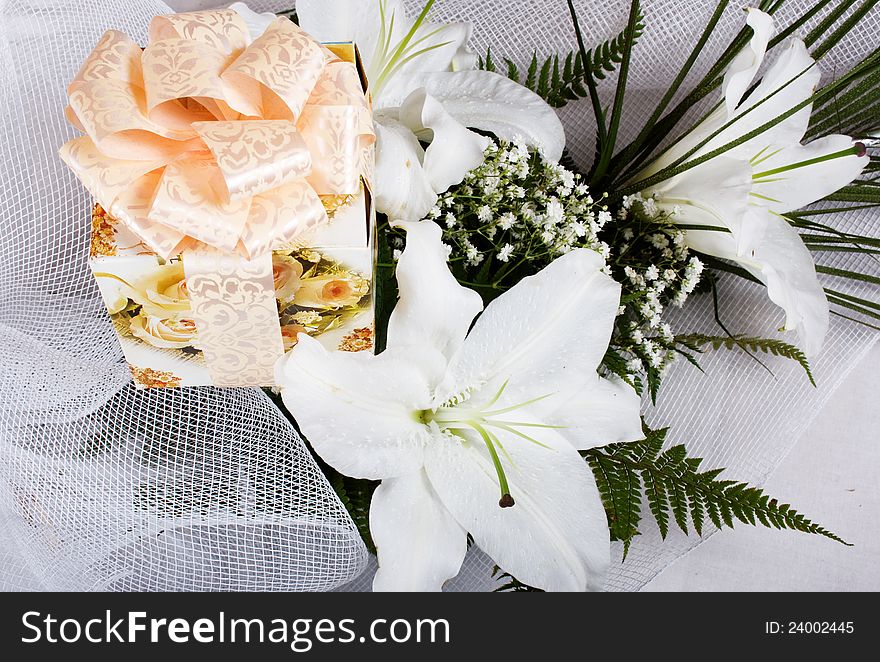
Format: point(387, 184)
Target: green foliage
point(511, 584)
point(386, 283)
point(614, 363)
point(678, 492)
point(605, 57)
point(289, 14)
point(696, 342)
point(560, 79)
point(356, 495)
point(843, 116)
point(557, 81)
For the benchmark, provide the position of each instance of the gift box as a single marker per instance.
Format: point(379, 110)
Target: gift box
point(232, 176)
point(323, 286)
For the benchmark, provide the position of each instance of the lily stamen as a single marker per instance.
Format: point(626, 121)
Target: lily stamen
point(455, 418)
point(858, 149)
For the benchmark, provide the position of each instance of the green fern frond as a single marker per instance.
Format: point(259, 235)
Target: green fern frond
point(604, 58)
point(613, 363)
point(697, 342)
point(511, 584)
point(677, 491)
point(356, 496)
point(559, 79)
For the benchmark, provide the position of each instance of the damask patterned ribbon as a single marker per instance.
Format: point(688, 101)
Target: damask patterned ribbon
point(206, 143)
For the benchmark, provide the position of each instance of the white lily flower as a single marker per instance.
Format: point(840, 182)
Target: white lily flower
point(745, 191)
point(256, 22)
point(450, 421)
point(426, 89)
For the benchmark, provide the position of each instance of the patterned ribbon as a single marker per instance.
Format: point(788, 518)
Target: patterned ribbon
point(216, 147)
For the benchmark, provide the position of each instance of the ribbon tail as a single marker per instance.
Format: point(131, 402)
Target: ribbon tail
point(234, 308)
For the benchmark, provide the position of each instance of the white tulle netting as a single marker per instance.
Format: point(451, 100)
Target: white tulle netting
point(103, 487)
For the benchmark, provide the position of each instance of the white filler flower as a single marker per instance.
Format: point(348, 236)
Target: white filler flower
point(475, 432)
point(426, 89)
point(745, 190)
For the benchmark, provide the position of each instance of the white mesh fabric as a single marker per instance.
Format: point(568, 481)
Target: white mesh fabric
point(103, 487)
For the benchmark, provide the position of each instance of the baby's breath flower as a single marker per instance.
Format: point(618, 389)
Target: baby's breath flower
point(506, 221)
point(531, 209)
point(555, 212)
point(634, 366)
point(505, 253)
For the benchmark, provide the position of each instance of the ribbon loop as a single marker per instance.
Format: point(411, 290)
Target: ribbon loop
point(184, 137)
point(257, 156)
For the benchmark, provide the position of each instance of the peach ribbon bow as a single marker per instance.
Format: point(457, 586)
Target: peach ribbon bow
point(213, 146)
point(205, 136)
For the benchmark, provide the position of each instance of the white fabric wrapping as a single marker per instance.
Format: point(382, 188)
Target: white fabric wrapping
point(106, 488)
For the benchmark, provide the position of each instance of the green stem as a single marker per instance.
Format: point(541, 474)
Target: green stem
point(633, 148)
point(607, 151)
point(800, 22)
point(591, 82)
point(844, 29)
point(496, 461)
point(673, 170)
point(852, 151)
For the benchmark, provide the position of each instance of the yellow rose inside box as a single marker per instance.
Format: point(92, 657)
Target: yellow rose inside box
point(323, 285)
point(232, 178)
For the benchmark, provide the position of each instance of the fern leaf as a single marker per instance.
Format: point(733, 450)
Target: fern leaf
point(511, 583)
point(697, 342)
point(488, 64)
point(657, 501)
point(560, 78)
point(604, 59)
point(677, 490)
point(512, 70)
point(620, 489)
point(532, 75)
point(543, 88)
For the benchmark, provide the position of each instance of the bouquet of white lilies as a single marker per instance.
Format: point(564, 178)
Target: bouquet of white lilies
point(518, 432)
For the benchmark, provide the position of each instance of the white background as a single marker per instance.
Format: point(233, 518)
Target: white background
point(831, 476)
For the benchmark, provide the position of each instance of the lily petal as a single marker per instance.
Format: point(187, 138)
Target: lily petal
point(544, 336)
point(337, 20)
point(440, 47)
point(360, 410)
point(603, 412)
point(464, 60)
point(448, 44)
point(453, 151)
point(787, 70)
point(785, 265)
point(419, 544)
point(718, 196)
point(797, 72)
point(556, 536)
point(403, 190)
point(796, 188)
point(489, 102)
point(433, 309)
point(745, 65)
point(257, 23)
